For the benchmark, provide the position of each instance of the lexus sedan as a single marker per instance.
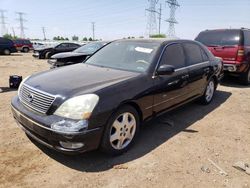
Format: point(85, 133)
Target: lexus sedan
point(47, 52)
point(103, 102)
point(76, 56)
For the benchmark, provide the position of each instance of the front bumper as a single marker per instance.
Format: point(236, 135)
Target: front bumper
point(42, 133)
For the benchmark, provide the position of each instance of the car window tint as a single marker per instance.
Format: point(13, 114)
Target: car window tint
point(193, 53)
point(174, 56)
point(204, 55)
point(247, 38)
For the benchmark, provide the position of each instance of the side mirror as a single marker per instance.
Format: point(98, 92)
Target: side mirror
point(165, 70)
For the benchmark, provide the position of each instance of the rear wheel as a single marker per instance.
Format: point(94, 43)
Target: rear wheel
point(6, 52)
point(26, 50)
point(121, 131)
point(246, 77)
point(208, 95)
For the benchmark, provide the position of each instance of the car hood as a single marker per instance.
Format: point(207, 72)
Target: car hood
point(68, 54)
point(43, 48)
point(77, 79)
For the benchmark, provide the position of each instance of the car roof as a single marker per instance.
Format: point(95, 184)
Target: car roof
point(160, 40)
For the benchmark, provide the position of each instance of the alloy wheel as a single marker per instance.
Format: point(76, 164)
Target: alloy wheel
point(122, 131)
point(210, 91)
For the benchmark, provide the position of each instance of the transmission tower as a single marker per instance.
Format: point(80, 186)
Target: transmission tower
point(173, 5)
point(2, 22)
point(151, 24)
point(21, 21)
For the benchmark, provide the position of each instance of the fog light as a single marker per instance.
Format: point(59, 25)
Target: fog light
point(71, 145)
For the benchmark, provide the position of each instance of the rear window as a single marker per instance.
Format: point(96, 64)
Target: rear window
point(220, 37)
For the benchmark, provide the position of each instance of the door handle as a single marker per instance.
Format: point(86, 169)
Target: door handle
point(185, 76)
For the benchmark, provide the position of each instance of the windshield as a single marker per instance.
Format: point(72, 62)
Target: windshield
point(126, 55)
point(89, 48)
point(219, 38)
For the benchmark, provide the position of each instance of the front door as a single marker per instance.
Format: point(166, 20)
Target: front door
point(171, 90)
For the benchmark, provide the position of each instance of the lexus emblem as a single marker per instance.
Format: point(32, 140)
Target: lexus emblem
point(30, 97)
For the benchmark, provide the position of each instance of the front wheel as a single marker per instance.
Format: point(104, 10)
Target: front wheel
point(121, 131)
point(26, 50)
point(208, 95)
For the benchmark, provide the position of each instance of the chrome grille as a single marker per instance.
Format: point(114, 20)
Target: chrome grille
point(36, 100)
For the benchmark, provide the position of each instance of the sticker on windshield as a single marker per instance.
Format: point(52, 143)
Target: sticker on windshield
point(144, 50)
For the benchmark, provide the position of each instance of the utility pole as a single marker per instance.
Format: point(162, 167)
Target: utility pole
point(151, 24)
point(21, 21)
point(93, 30)
point(160, 14)
point(44, 34)
point(2, 22)
point(173, 5)
point(13, 31)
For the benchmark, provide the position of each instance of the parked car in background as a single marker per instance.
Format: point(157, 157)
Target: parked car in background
point(47, 52)
point(37, 45)
point(102, 103)
point(7, 46)
point(233, 46)
point(76, 56)
point(23, 45)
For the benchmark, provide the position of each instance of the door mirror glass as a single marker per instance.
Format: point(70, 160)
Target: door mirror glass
point(165, 70)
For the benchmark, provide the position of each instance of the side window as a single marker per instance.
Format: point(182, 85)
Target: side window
point(193, 53)
point(247, 38)
point(174, 56)
point(204, 55)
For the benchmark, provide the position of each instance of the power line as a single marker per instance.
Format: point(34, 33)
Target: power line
point(21, 21)
point(2, 22)
point(44, 33)
point(151, 23)
point(173, 5)
point(93, 30)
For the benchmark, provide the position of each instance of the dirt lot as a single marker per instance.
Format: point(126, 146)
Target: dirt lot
point(164, 155)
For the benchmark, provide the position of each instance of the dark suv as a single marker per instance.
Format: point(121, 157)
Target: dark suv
point(102, 103)
point(23, 45)
point(233, 46)
point(7, 46)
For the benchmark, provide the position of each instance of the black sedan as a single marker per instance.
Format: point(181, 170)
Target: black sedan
point(103, 102)
point(47, 52)
point(77, 56)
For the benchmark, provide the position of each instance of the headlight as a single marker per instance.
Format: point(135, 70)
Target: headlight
point(78, 108)
point(20, 86)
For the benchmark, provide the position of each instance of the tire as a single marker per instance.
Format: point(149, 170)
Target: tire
point(120, 134)
point(26, 50)
point(6, 52)
point(47, 55)
point(245, 79)
point(208, 95)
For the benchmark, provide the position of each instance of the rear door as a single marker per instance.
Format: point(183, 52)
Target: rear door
point(198, 68)
point(171, 89)
point(222, 43)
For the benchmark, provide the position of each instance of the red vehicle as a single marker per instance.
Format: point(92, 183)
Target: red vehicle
point(23, 45)
point(233, 46)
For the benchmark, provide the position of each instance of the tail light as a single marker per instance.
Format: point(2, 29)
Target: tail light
point(241, 54)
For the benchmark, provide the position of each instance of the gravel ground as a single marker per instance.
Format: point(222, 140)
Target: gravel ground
point(176, 150)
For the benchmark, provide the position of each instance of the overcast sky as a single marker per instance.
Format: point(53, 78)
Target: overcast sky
point(121, 18)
